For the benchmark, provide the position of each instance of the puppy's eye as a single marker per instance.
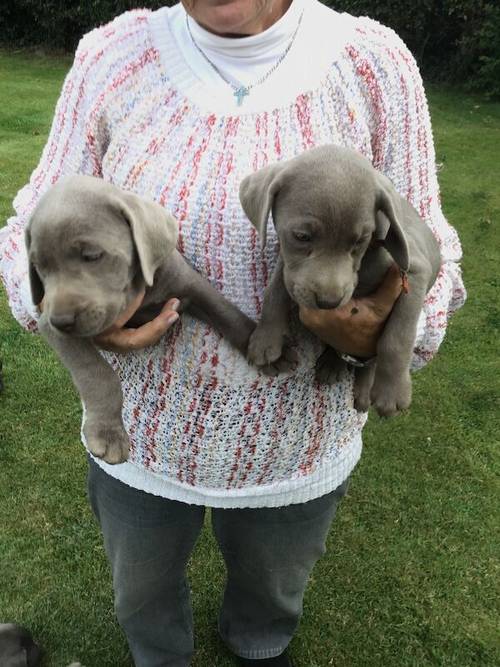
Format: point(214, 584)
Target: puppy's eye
point(303, 237)
point(361, 241)
point(94, 256)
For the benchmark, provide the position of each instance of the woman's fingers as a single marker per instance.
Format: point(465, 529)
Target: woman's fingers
point(145, 335)
point(126, 340)
point(171, 305)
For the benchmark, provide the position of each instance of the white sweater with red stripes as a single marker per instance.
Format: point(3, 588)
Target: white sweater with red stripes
point(143, 109)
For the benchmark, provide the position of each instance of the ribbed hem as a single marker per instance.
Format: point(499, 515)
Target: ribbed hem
point(261, 654)
point(323, 480)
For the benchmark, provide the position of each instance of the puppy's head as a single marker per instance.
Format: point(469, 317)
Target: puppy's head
point(92, 248)
point(327, 205)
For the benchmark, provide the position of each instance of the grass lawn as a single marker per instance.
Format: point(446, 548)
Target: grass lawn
point(411, 577)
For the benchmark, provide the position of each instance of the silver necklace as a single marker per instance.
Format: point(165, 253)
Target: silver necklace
point(241, 91)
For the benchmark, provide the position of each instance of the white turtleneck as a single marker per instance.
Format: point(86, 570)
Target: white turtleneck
point(242, 60)
point(247, 60)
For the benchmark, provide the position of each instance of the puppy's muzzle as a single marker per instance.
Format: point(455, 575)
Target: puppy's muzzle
point(64, 322)
point(327, 304)
point(86, 319)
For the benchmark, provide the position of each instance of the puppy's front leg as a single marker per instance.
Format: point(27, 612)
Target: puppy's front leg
point(100, 392)
point(363, 382)
point(329, 366)
point(202, 300)
point(268, 347)
point(391, 390)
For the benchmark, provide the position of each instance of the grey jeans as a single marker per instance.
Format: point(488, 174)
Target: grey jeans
point(269, 554)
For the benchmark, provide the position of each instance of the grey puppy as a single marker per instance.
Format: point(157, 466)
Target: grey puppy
point(18, 648)
point(340, 225)
point(92, 249)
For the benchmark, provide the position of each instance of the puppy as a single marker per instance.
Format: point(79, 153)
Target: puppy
point(341, 224)
point(92, 250)
point(18, 648)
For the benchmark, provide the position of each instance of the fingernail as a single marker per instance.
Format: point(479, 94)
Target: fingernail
point(172, 318)
point(175, 304)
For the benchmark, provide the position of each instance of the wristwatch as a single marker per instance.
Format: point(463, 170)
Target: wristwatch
point(356, 361)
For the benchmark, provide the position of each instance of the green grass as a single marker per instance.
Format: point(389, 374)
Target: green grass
point(411, 577)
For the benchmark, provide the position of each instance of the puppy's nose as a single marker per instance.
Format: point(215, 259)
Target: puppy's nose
point(64, 322)
point(327, 304)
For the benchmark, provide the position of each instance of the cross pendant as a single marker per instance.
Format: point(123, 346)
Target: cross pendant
point(240, 93)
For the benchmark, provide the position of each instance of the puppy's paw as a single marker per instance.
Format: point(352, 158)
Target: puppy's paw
point(362, 402)
point(329, 367)
point(264, 347)
point(286, 363)
point(390, 396)
point(363, 381)
point(109, 442)
point(270, 352)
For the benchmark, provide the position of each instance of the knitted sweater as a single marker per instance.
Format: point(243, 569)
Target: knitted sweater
point(205, 427)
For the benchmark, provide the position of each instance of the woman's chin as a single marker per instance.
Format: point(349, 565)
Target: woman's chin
point(231, 18)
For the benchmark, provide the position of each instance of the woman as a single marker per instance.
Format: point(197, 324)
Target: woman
point(179, 105)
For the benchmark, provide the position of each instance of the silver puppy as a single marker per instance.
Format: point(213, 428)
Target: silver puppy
point(92, 249)
point(340, 224)
point(18, 648)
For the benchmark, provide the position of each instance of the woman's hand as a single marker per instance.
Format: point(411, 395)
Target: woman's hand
point(120, 339)
point(356, 327)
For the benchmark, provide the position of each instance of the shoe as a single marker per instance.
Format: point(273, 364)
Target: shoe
point(282, 660)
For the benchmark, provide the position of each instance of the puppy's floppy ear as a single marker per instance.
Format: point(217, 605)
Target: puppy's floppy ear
point(257, 193)
point(153, 229)
point(36, 285)
point(388, 223)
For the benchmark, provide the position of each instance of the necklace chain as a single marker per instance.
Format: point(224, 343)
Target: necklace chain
point(242, 91)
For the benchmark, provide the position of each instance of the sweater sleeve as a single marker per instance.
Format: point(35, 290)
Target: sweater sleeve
point(77, 143)
point(74, 146)
point(403, 149)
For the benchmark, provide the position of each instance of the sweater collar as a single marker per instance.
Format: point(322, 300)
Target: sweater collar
point(302, 71)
